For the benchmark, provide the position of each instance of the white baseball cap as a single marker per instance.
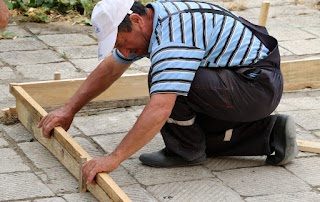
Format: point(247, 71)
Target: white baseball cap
point(106, 17)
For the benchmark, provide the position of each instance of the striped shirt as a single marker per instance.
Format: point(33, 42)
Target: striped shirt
point(189, 35)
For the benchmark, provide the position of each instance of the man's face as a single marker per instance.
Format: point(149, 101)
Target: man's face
point(137, 41)
point(132, 42)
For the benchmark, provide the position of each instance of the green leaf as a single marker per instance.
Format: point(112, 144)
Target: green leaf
point(22, 5)
point(9, 4)
point(87, 6)
point(39, 2)
point(73, 2)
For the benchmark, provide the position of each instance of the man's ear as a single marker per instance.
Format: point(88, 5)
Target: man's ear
point(136, 19)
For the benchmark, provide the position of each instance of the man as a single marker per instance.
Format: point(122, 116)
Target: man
point(4, 15)
point(214, 80)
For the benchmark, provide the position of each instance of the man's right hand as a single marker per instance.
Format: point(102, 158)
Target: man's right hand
point(60, 117)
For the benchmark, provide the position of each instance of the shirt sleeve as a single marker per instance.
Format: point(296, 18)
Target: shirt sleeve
point(173, 67)
point(122, 59)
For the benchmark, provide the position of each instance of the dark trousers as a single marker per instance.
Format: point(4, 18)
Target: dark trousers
point(225, 113)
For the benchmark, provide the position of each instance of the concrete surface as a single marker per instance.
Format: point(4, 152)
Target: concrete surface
point(29, 172)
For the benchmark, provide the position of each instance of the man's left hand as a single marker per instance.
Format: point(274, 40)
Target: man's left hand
point(97, 165)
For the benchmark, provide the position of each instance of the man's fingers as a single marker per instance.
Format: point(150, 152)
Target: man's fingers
point(41, 122)
point(92, 174)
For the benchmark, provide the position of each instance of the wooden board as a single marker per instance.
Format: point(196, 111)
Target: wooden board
point(308, 146)
point(63, 147)
point(126, 91)
point(301, 74)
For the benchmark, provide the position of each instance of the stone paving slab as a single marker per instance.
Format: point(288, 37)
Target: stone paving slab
point(137, 193)
point(10, 161)
point(306, 169)
point(87, 197)
point(22, 186)
point(5, 94)
point(110, 142)
point(87, 65)
point(3, 143)
point(302, 47)
point(60, 180)
point(299, 103)
point(262, 181)
point(18, 132)
point(67, 40)
point(289, 197)
point(92, 149)
point(198, 190)
point(307, 120)
point(21, 44)
point(105, 123)
point(146, 175)
point(8, 76)
point(44, 72)
point(18, 31)
point(39, 155)
point(30, 57)
point(79, 52)
point(227, 163)
point(122, 177)
point(53, 199)
point(290, 34)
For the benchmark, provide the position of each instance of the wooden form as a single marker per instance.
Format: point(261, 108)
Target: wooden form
point(61, 144)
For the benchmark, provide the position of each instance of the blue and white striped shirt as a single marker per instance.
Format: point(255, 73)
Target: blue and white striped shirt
point(184, 40)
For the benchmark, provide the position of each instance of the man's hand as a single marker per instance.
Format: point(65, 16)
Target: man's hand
point(4, 15)
point(100, 164)
point(60, 117)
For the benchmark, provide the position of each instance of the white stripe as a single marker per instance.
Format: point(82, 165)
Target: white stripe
point(182, 123)
point(228, 135)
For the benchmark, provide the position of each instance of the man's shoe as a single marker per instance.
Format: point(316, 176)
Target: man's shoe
point(283, 141)
point(162, 159)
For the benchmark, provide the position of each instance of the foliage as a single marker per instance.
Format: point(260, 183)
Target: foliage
point(76, 11)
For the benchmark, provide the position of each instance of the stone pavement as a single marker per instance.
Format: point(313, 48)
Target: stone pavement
point(28, 172)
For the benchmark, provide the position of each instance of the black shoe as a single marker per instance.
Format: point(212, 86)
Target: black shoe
point(283, 141)
point(163, 159)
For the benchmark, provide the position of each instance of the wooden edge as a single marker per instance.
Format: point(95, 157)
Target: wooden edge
point(308, 146)
point(68, 80)
point(63, 146)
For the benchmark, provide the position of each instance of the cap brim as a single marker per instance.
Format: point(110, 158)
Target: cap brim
point(106, 45)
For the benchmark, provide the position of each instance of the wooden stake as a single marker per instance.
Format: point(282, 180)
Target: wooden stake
point(82, 183)
point(264, 13)
point(57, 76)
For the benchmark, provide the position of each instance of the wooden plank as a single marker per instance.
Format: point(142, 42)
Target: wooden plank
point(126, 91)
point(309, 146)
point(301, 74)
point(63, 147)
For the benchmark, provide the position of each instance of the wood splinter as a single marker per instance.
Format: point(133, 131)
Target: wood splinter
point(82, 183)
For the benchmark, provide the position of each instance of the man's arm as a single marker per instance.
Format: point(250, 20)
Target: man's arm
point(4, 15)
point(149, 123)
point(108, 71)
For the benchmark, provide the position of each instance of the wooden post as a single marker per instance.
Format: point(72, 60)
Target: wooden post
point(57, 76)
point(264, 13)
point(82, 183)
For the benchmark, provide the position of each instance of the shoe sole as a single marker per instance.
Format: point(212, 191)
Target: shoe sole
point(291, 150)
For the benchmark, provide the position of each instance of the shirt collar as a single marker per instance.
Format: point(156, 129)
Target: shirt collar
point(155, 23)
